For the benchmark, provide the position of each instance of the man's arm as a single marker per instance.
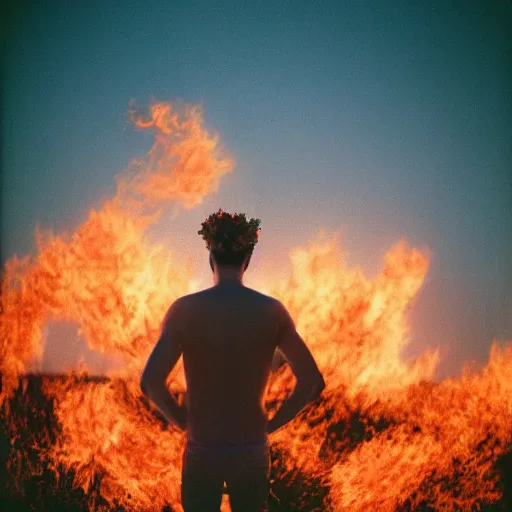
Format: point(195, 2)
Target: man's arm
point(162, 360)
point(310, 382)
point(278, 360)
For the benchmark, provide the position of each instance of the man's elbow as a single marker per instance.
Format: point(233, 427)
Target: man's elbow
point(312, 385)
point(318, 387)
point(151, 384)
point(144, 385)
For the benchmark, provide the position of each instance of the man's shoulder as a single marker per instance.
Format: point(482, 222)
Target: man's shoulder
point(188, 299)
point(264, 299)
point(192, 298)
point(260, 295)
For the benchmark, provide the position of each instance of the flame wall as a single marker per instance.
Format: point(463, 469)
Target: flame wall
point(424, 443)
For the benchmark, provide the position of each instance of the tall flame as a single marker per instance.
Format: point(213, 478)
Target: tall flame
point(420, 443)
point(107, 277)
point(185, 162)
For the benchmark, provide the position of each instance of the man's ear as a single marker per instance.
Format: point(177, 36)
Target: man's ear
point(211, 262)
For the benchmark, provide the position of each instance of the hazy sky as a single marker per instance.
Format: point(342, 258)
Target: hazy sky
point(379, 119)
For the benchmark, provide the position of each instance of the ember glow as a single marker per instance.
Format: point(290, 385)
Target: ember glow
point(424, 444)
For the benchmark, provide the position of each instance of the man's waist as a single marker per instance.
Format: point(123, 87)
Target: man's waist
point(227, 445)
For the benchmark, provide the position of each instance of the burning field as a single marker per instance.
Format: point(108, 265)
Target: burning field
point(383, 436)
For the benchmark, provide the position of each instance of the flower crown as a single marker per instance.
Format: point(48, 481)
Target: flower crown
point(223, 231)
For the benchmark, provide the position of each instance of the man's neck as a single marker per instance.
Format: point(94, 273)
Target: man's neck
point(228, 276)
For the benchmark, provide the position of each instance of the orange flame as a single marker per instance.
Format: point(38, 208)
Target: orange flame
point(450, 435)
point(185, 162)
point(420, 437)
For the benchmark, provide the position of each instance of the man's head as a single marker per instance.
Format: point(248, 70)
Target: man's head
point(230, 238)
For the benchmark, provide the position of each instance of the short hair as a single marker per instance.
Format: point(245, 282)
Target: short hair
point(233, 258)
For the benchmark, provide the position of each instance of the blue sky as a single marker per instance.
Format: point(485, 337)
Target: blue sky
point(382, 120)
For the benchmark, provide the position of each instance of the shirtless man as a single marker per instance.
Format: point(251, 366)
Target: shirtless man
point(228, 335)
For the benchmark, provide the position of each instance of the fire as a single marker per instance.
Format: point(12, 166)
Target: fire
point(421, 444)
point(185, 162)
point(448, 436)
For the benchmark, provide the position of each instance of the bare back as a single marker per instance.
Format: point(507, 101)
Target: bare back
point(229, 337)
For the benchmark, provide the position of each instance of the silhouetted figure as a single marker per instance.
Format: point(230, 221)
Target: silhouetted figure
point(228, 335)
